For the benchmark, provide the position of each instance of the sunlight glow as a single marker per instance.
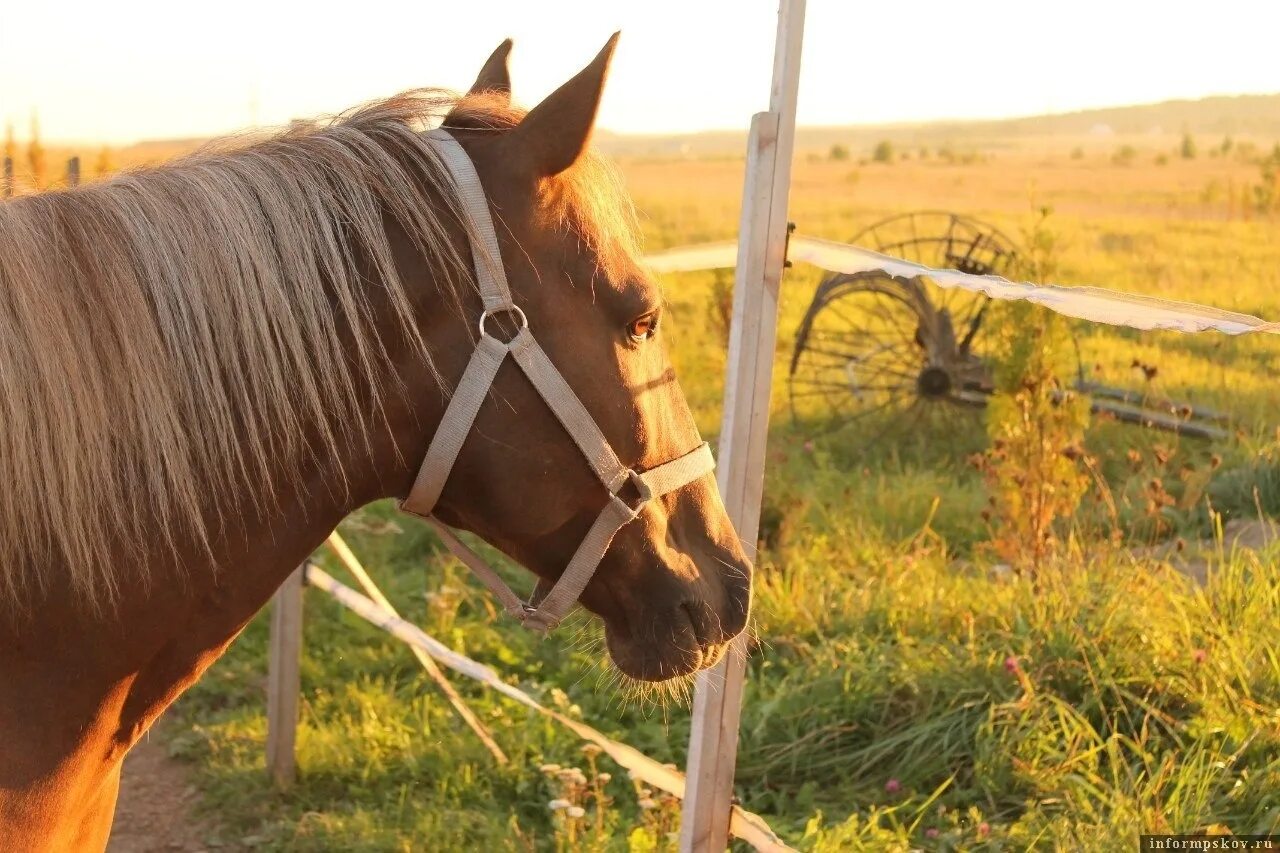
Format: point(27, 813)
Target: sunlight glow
point(144, 69)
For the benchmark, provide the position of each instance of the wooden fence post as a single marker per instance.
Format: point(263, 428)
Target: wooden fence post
point(6, 186)
point(284, 679)
point(73, 172)
point(713, 742)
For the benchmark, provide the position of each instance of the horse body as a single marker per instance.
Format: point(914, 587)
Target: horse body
point(77, 698)
point(310, 414)
point(79, 688)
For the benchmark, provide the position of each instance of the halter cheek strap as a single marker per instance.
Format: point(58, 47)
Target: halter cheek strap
point(544, 611)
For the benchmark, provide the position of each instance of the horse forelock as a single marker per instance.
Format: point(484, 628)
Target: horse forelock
point(168, 336)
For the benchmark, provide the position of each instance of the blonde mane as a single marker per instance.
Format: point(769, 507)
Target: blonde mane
point(168, 336)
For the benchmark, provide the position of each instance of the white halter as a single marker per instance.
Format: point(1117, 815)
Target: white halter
point(544, 611)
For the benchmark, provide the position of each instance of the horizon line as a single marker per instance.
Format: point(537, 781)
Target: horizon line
point(247, 130)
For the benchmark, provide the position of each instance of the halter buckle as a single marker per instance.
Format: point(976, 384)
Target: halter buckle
point(642, 489)
point(506, 309)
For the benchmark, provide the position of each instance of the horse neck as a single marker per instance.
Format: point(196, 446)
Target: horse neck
point(78, 688)
point(400, 425)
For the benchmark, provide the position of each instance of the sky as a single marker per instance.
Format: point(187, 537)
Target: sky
point(126, 70)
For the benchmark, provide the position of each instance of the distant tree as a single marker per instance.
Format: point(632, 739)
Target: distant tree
point(10, 143)
point(883, 152)
point(1266, 194)
point(1162, 159)
point(105, 163)
point(1246, 150)
point(11, 159)
point(1225, 147)
point(1124, 155)
point(838, 152)
point(36, 159)
point(1188, 147)
point(1077, 153)
point(924, 153)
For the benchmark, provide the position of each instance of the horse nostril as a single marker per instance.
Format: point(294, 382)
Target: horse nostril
point(697, 613)
point(709, 626)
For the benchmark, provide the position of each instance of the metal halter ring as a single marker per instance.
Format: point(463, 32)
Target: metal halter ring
point(513, 309)
point(642, 489)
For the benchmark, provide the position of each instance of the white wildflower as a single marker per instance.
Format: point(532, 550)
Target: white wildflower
point(557, 805)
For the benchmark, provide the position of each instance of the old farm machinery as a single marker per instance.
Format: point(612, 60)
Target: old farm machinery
point(893, 351)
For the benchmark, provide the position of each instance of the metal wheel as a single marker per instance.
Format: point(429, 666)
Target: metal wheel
point(942, 240)
point(876, 349)
point(873, 347)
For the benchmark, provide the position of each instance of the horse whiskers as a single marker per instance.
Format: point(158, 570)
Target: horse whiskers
point(629, 692)
point(660, 695)
point(735, 571)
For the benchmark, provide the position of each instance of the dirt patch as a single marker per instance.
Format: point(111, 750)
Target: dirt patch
point(154, 811)
point(1192, 558)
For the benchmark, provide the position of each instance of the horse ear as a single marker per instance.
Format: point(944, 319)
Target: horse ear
point(555, 133)
point(494, 76)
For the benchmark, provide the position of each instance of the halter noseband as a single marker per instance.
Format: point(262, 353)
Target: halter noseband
point(542, 611)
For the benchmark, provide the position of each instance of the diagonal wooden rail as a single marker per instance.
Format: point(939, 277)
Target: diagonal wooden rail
point(749, 827)
point(348, 558)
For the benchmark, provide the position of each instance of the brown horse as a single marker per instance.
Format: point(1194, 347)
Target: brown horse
point(205, 366)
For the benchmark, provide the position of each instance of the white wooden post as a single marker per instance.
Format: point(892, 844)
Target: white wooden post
point(762, 234)
point(284, 679)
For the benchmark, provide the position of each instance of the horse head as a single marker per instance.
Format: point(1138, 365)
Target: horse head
point(673, 587)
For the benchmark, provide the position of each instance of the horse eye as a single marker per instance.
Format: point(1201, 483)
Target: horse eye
point(643, 328)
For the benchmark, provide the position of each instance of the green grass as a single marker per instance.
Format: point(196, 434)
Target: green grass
point(903, 695)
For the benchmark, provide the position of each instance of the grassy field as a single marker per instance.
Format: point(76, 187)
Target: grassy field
point(903, 694)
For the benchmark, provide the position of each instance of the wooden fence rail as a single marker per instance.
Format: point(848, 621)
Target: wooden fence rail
point(283, 693)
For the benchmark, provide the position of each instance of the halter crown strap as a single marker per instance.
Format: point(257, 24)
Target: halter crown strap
point(490, 275)
point(547, 609)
